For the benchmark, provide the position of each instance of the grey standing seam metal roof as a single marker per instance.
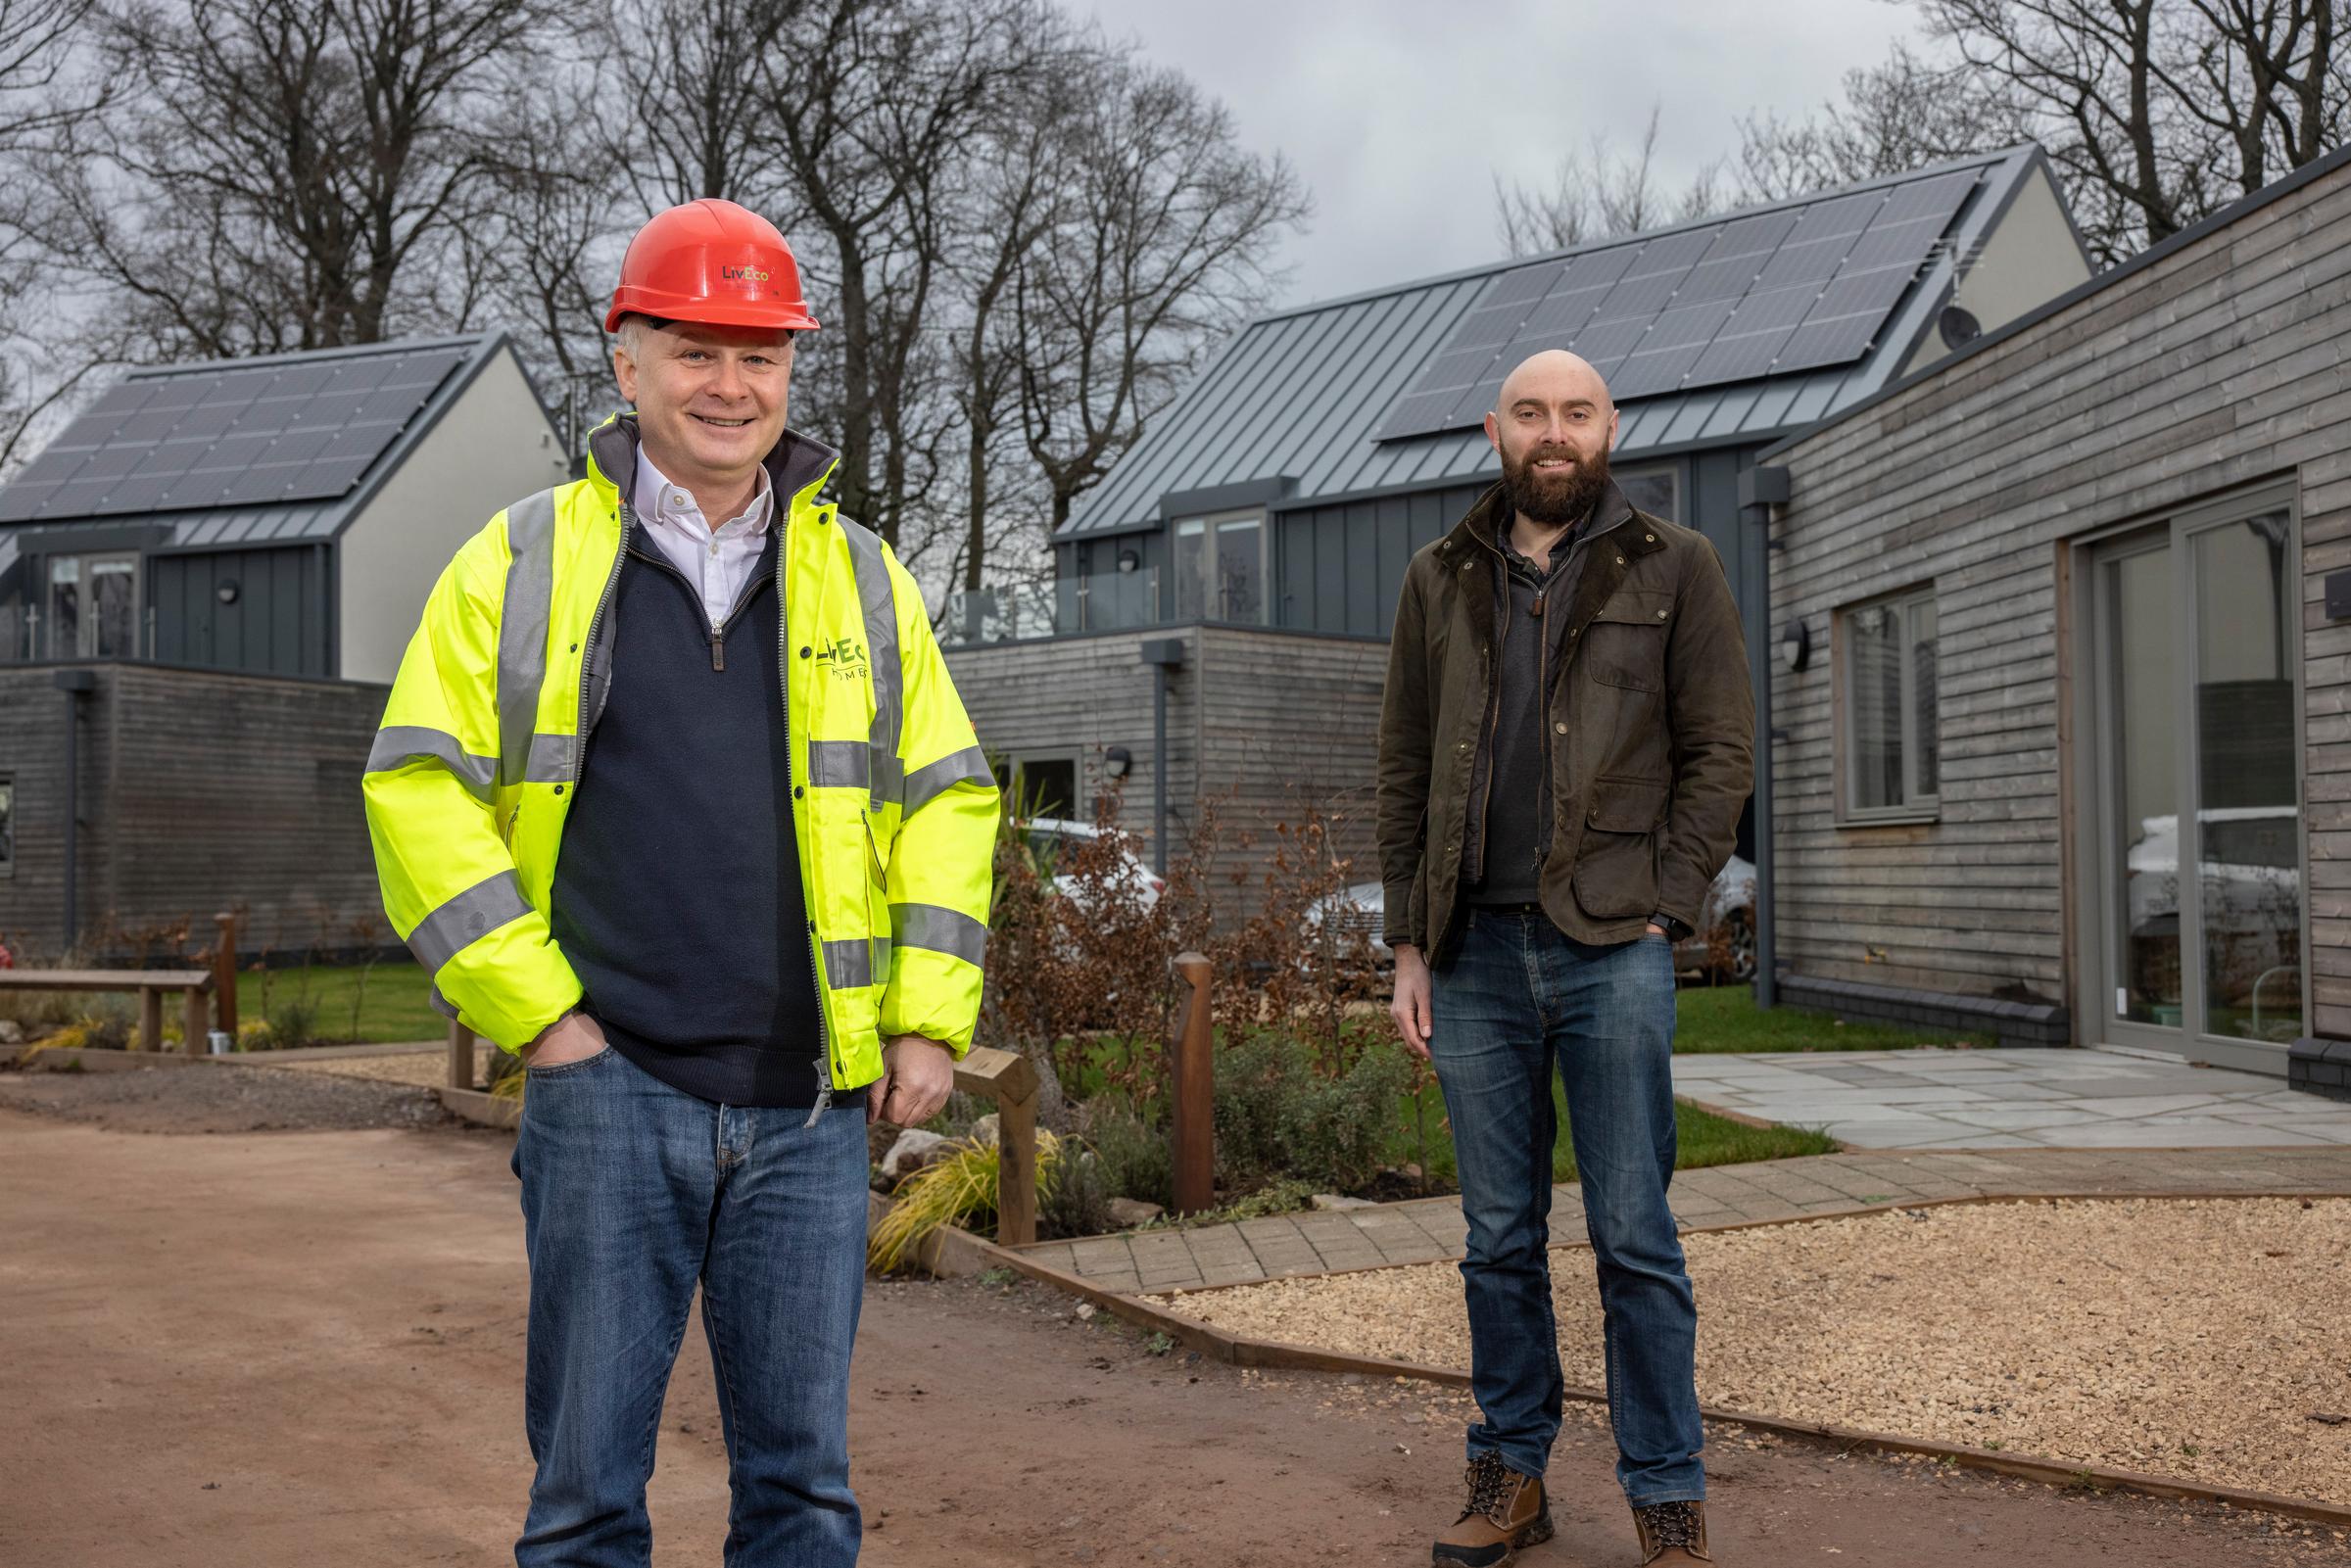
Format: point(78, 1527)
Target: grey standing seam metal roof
point(275, 450)
point(1306, 395)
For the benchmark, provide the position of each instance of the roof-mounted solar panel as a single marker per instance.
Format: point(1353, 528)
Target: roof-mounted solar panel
point(1802, 286)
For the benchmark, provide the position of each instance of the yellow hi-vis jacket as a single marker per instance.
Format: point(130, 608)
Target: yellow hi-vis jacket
point(893, 808)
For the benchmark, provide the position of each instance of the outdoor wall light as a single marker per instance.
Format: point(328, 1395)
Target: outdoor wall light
point(1117, 761)
point(1130, 561)
point(1957, 327)
point(1796, 644)
point(226, 592)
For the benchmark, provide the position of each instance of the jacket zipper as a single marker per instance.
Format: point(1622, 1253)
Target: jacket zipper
point(1485, 799)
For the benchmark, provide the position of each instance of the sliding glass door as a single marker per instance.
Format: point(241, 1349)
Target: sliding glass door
point(2193, 818)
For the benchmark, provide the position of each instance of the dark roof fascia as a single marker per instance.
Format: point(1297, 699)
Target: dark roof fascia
point(1640, 458)
point(2244, 207)
point(55, 538)
point(491, 344)
point(1514, 263)
point(1270, 493)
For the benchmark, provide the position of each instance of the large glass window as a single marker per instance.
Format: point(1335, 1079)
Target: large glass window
point(1892, 766)
point(1220, 568)
point(1655, 491)
point(93, 607)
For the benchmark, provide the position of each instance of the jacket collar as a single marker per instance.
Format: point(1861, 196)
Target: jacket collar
point(798, 468)
point(1478, 524)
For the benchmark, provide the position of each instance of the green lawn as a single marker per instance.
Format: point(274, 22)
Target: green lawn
point(391, 1005)
point(1725, 1018)
point(1702, 1138)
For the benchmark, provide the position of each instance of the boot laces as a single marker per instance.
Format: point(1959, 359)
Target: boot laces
point(1672, 1524)
point(1487, 1478)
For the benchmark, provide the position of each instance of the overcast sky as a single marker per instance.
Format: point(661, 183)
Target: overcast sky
point(1398, 111)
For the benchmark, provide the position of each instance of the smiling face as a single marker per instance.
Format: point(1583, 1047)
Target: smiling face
point(1553, 427)
point(710, 400)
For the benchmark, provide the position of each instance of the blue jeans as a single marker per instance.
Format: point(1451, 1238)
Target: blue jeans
point(633, 1193)
point(1515, 996)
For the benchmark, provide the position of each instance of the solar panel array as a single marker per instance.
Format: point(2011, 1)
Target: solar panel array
point(302, 429)
point(1795, 288)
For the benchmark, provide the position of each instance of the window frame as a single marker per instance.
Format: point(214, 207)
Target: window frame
point(1914, 807)
point(1210, 526)
point(7, 823)
point(1665, 470)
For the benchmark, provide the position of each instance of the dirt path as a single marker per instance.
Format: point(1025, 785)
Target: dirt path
point(299, 1347)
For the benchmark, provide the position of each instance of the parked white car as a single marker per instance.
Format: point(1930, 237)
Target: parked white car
point(1049, 837)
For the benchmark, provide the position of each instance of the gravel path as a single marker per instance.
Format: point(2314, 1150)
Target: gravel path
point(211, 1098)
point(2196, 1339)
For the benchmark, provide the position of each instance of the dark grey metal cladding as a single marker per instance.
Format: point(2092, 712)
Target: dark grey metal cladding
point(301, 428)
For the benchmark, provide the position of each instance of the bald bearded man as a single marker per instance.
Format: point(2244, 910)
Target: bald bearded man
point(1566, 747)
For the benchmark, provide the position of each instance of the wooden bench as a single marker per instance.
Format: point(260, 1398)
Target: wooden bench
point(192, 985)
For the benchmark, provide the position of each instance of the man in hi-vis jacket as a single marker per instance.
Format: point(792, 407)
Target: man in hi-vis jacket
point(674, 798)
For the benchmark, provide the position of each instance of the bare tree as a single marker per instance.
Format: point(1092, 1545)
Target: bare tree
point(2155, 113)
point(40, 102)
point(283, 174)
point(1599, 194)
point(1166, 240)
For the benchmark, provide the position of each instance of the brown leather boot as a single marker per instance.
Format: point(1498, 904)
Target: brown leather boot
point(1672, 1533)
point(1505, 1511)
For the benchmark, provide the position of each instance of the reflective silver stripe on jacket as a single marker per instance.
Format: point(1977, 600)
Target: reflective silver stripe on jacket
point(522, 632)
point(840, 764)
point(928, 782)
point(885, 775)
point(398, 744)
point(938, 930)
point(852, 962)
point(466, 919)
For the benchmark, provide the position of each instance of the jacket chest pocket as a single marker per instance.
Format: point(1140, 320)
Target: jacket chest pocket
point(1625, 644)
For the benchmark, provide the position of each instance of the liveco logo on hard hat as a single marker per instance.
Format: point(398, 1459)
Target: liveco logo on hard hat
point(743, 274)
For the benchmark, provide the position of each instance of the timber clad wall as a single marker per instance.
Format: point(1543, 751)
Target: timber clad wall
point(1278, 719)
point(2216, 366)
point(199, 792)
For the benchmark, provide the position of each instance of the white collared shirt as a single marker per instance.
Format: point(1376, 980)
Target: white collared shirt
point(718, 561)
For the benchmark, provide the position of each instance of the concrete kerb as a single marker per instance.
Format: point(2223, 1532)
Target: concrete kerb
point(958, 1254)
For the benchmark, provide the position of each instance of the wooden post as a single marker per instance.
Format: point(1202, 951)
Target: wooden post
point(224, 977)
point(193, 1017)
point(1194, 1077)
point(151, 1018)
point(460, 1056)
point(1006, 1078)
point(1015, 1178)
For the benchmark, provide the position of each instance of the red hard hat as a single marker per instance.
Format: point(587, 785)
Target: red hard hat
point(711, 261)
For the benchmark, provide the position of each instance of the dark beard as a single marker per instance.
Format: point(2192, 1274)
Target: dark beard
point(1554, 502)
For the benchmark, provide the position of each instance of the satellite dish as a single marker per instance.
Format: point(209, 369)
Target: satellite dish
point(1958, 326)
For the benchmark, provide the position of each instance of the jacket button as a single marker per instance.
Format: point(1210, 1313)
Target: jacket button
point(798, 794)
point(1560, 728)
point(804, 654)
point(558, 789)
point(1660, 615)
point(1620, 561)
point(1651, 538)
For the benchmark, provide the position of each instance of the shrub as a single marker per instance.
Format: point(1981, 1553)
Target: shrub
point(1279, 1116)
point(1078, 1204)
point(953, 1191)
point(1133, 1153)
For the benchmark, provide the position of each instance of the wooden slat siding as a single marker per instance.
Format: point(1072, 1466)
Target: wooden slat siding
point(200, 792)
point(2216, 368)
point(32, 721)
point(1087, 695)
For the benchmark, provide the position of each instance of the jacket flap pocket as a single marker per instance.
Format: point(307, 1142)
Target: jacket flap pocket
point(1637, 606)
point(1627, 805)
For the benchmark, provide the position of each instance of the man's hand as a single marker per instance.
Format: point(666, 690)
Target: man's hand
point(573, 1038)
point(1409, 1008)
point(917, 1075)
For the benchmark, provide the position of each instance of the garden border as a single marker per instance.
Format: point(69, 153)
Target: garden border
point(951, 1253)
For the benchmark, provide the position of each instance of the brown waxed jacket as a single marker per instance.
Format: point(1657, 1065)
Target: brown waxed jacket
point(1653, 718)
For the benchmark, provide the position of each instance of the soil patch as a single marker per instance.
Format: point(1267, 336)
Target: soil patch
point(2196, 1339)
point(208, 1097)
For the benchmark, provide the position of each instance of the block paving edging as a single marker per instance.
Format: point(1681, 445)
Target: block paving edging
point(1431, 1230)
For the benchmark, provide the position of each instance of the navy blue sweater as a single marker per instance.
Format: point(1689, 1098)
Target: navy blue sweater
point(677, 893)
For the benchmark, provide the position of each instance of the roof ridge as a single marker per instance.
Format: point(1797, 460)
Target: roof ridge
point(351, 351)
